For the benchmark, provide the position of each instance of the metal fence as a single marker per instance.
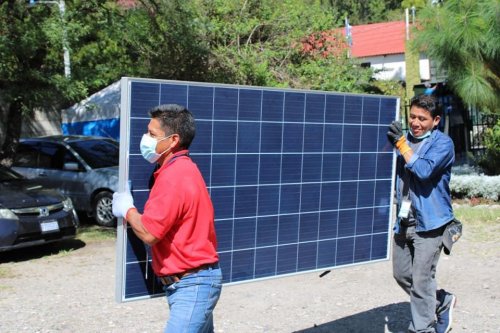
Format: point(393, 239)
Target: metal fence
point(479, 122)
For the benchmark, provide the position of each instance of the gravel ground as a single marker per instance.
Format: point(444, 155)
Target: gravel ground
point(70, 287)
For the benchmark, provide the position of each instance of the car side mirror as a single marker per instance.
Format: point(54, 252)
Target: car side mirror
point(71, 166)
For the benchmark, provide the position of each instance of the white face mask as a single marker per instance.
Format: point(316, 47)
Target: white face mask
point(148, 148)
point(423, 136)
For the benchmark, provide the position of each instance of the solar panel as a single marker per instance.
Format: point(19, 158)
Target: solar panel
point(300, 180)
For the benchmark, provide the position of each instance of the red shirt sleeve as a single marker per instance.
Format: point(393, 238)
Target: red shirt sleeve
point(163, 207)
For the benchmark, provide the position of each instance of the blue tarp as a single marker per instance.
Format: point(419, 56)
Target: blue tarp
point(96, 115)
point(104, 127)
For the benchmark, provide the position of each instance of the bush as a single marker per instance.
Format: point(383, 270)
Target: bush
point(490, 161)
point(473, 186)
point(466, 169)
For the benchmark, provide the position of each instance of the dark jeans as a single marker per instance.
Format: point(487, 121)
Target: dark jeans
point(415, 257)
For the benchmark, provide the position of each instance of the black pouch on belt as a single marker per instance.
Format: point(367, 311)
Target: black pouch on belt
point(451, 235)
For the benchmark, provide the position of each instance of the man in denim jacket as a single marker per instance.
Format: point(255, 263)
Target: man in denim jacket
point(424, 161)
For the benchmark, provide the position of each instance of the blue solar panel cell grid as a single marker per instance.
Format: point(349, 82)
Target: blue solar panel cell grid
point(300, 180)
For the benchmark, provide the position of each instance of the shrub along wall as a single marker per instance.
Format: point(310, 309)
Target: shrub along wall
point(475, 186)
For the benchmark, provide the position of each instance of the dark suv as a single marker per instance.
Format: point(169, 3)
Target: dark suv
point(31, 215)
point(85, 168)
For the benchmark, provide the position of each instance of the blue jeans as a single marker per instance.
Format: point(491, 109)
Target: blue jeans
point(192, 301)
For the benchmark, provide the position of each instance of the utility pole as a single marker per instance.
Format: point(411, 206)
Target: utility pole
point(62, 11)
point(348, 36)
point(411, 60)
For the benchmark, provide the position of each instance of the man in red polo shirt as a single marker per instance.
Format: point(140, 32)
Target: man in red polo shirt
point(178, 222)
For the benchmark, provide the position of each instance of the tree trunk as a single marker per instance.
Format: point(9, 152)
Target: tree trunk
point(12, 133)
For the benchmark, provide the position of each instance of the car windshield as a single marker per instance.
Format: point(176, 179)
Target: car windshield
point(97, 153)
point(8, 175)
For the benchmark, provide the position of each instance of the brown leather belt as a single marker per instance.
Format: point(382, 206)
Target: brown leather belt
point(167, 280)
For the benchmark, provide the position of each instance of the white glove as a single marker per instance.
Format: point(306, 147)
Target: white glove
point(122, 202)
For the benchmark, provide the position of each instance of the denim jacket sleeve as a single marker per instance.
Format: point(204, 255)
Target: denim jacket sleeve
point(435, 156)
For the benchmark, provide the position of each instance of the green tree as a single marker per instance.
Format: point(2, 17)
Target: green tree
point(414, 3)
point(27, 78)
point(100, 53)
point(363, 12)
point(168, 38)
point(31, 61)
point(261, 43)
point(463, 37)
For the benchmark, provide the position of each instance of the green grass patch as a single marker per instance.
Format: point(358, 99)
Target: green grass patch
point(63, 253)
point(6, 273)
point(482, 222)
point(89, 233)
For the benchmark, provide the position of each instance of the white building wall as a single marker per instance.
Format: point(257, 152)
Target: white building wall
point(424, 68)
point(392, 66)
point(41, 123)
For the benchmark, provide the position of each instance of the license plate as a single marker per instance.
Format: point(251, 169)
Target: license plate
point(49, 226)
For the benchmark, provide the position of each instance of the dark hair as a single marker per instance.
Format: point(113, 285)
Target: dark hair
point(427, 102)
point(175, 119)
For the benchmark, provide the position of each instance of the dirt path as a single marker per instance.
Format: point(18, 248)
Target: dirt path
point(70, 288)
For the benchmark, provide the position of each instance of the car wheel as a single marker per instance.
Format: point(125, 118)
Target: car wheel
point(103, 212)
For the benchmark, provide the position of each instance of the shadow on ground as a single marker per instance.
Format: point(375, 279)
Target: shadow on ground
point(85, 219)
point(40, 251)
point(390, 318)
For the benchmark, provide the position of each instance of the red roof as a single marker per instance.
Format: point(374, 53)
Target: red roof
point(377, 39)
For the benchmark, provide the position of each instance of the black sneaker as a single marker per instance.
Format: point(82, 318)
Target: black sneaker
point(445, 318)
